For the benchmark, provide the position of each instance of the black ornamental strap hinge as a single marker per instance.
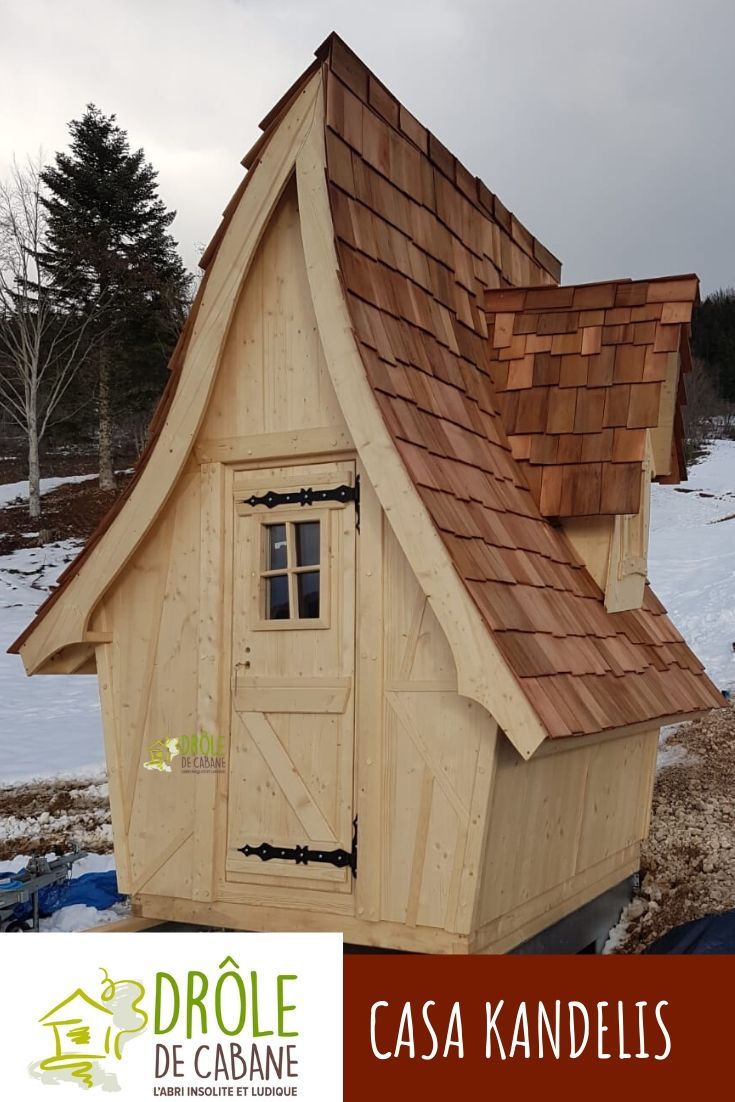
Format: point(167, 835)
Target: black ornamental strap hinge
point(310, 496)
point(304, 855)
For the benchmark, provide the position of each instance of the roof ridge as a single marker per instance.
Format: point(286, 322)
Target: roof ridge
point(573, 297)
point(353, 73)
point(621, 279)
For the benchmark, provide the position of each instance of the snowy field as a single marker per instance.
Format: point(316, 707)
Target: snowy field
point(691, 560)
point(11, 491)
point(48, 725)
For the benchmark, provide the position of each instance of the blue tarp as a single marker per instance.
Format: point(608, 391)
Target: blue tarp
point(93, 889)
point(711, 934)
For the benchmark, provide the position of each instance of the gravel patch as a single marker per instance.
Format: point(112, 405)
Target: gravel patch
point(688, 860)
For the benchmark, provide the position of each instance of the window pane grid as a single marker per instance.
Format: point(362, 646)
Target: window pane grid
point(291, 580)
point(291, 570)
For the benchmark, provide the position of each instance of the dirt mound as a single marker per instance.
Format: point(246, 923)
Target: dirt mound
point(49, 816)
point(70, 511)
point(688, 861)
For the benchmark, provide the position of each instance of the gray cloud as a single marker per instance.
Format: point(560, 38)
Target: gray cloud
point(604, 125)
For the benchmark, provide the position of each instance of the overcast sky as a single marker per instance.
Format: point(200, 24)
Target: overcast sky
point(606, 125)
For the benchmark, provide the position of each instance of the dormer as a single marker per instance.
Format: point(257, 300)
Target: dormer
point(589, 385)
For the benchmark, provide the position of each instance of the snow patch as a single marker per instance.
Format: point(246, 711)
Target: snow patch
point(691, 561)
point(69, 920)
point(672, 755)
point(51, 725)
point(77, 916)
point(12, 491)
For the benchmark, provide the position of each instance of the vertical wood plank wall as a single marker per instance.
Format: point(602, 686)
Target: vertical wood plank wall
point(149, 691)
point(272, 377)
point(562, 828)
point(166, 670)
point(437, 763)
point(457, 833)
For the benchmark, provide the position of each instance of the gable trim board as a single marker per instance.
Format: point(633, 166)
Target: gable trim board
point(404, 333)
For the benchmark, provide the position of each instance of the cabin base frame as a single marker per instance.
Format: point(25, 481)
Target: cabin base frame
point(595, 902)
point(587, 928)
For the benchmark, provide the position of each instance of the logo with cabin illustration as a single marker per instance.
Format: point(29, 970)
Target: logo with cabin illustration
point(161, 753)
point(199, 753)
point(87, 1036)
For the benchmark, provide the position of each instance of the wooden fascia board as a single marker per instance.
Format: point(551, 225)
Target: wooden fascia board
point(66, 621)
point(577, 742)
point(482, 672)
point(662, 435)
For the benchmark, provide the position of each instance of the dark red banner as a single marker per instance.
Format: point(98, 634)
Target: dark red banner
point(442, 1027)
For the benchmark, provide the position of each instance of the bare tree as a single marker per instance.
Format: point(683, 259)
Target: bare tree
point(701, 411)
point(42, 344)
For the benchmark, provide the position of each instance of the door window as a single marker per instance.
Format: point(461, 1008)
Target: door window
point(291, 582)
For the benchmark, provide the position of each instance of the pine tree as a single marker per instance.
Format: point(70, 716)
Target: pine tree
point(713, 339)
point(111, 250)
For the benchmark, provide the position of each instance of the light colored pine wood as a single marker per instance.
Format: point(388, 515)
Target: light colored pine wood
point(114, 757)
point(318, 443)
point(291, 766)
point(287, 776)
point(421, 839)
point(250, 916)
point(281, 696)
point(616, 788)
point(150, 693)
point(436, 763)
point(273, 380)
point(591, 537)
point(421, 737)
point(477, 827)
point(369, 749)
point(662, 435)
point(215, 499)
point(628, 568)
point(131, 925)
point(159, 858)
point(76, 658)
point(555, 820)
point(523, 922)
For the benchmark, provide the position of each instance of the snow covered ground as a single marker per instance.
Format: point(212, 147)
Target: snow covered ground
point(10, 491)
point(48, 725)
point(691, 561)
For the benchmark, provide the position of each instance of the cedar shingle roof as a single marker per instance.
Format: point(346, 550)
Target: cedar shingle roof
point(421, 243)
point(578, 372)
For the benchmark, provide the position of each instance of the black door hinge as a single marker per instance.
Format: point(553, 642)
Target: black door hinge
point(303, 855)
point(309, 496)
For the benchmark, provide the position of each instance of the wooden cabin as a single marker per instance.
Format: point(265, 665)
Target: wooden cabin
point(381, 572)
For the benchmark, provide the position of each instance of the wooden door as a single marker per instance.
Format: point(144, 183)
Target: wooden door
point(293, 665)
